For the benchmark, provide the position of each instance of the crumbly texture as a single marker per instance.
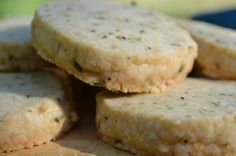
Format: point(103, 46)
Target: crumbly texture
point(16, 50)
point(195, 118)
point(35, 108)
point(217, 49)
point(120, 47)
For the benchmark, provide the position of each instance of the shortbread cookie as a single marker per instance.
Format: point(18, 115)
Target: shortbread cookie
point(82, 140)
point(35, 108)
point(217, 49)
point(16, 49)
point(195, 118)
point(116, 46)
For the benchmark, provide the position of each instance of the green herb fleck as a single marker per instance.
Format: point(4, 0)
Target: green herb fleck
point(92, 30)
point(138, 39)
point(121, 37)
point(77, 66)
point(176, 44)
point(217, 104)
point(220, 41)
point(104, 36)
point(98, 125)
point(141, 31)
point(133, 3)
point(181, 68)
point(126, 20)
point(117, 30)
point(101, 18)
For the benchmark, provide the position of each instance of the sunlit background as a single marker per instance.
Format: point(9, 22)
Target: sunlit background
point(180, 8)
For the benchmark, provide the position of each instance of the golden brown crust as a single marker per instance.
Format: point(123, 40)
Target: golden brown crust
point(179, 150)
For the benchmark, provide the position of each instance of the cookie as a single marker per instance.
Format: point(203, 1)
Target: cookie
point(35, 108)
point(16, 49)
point(117, 46)
point(217, 49)
point(196, 117)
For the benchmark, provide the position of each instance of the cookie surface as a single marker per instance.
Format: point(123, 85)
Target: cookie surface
point(217, 49)
point(196, 117)
point(35, 108)
point(16, 49)
point(116, 46)
point(80, 141)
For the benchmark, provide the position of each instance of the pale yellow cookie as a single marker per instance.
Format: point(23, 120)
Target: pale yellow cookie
point(195, 118)
point(116, 46)
point(16, 49)
point(35, 108)
point(217, 49)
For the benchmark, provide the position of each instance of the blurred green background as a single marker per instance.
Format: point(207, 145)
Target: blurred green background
point(182, 8)
point(18, 7)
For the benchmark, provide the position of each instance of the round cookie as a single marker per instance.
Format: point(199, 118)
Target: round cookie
point(16, 49)
point(217, 49)
point(35, 108)
point(120, 47)
point(196, 117)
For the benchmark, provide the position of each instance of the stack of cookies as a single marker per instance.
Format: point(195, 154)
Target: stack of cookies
point(142, 59)
point(35, 98)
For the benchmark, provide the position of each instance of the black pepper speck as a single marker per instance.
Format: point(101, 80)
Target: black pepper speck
point(57, 120)
point(59, 100)
point(10, 58)
point(118, 141)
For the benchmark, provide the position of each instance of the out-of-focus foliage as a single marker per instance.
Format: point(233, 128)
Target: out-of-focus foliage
point(182, 8)
point(18, 7)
